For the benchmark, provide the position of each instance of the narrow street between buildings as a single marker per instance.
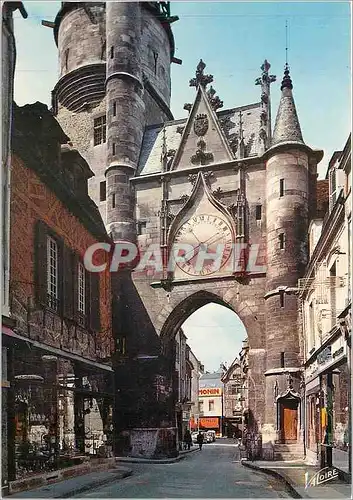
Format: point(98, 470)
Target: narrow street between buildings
point(215, 472)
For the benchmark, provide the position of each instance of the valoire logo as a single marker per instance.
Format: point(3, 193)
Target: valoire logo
point(320, 477)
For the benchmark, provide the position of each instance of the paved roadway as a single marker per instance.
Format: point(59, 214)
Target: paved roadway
point(215, 472)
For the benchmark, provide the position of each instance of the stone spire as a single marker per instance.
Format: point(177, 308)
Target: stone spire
point(287, 127)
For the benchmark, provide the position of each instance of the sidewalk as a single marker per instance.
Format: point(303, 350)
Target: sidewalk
point(76, 485)
point(70, 487)
point(293, 475)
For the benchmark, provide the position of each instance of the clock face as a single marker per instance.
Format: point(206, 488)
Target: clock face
point(205, 233)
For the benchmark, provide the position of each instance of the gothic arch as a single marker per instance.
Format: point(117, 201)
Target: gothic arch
point(178, 309)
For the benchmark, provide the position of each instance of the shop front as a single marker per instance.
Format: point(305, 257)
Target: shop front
point(211, 424)
point(59, 407)
point(328, 403)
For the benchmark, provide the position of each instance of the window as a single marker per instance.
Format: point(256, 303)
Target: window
point(211, 405)
point(281, 241)
point(113, 200)
point(281, 298)
point(258, 212)
point(281, 187)
point(113, 148)
point(81, 288)
point(311, 326)
point(177, 353)
point(52, 273)
point(333, 304)
point(121, 345)
point(103, 191)
point(235, 389)
point(114, 108)
point(100, 130)
point(111, 52)
point(332, 187)
point(141, 228)
point(282, 359)
point(155, 57)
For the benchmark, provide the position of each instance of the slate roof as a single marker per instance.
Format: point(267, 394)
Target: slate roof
point(151, 150)
point(287, 127)
point(210, 380)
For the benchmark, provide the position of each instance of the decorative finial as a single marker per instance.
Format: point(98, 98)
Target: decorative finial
point(286, 42)
point(200, 78)
point(286, 82)
point(265, 78)
point(215, 101)
point(164, 151)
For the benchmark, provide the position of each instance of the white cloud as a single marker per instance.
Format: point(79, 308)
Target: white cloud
point(215, 335)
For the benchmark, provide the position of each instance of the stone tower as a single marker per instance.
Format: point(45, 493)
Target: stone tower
point(290, 171)
point(114, 62)
point(155, 177)
point(114, 81)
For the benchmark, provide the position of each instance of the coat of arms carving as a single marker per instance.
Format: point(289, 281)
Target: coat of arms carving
point(200, 125)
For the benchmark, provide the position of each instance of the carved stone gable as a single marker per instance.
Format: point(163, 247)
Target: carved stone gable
point(203, 141)
point(200, 125)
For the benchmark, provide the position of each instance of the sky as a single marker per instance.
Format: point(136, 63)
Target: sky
point(215, 335)
point(233, 39)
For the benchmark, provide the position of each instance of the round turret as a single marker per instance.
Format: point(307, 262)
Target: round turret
point(79, 99)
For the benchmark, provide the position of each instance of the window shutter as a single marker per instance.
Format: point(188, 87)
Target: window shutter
point(61, 273)
point(41, 262)
point(75, 261)
point(95, 301)
point(68, 281)
point(88, 298)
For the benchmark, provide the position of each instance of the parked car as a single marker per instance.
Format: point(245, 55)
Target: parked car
point(211, 436)
point(205, 437)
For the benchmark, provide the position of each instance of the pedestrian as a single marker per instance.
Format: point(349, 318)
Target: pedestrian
point(200, 440)
point(187, 439)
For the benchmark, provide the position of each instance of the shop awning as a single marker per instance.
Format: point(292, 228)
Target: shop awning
point(55, 351)
point(209, 422)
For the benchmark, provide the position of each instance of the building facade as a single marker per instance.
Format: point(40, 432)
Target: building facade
point(233, 400)
point(187, 368)
point(8, 63)
point(197, 372)
point(325, 293)
point(60, 395)
point(211, 402)
point(225, 175)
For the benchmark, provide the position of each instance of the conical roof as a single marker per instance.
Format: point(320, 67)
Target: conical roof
point(287, 127)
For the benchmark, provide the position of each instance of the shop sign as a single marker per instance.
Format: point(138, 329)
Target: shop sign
point(209, 422)
point(324, 356)
point(332, 353)
point(311, 370)
point(186, 415)
point(210, 392)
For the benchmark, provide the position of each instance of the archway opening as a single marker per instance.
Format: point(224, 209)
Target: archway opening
point(208, 346)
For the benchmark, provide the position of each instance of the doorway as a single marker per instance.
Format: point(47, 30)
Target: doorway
point(289, 420)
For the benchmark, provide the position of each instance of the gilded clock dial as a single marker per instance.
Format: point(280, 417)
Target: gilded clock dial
point(206, 233)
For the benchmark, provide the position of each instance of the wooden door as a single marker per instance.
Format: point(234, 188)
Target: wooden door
point(289, 421)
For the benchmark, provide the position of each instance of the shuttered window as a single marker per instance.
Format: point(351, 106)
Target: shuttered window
point(52, 273)
point(81, 288)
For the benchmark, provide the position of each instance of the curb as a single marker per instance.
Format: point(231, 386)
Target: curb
point(288, 484)
point(135, 460)
point(87, 487)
